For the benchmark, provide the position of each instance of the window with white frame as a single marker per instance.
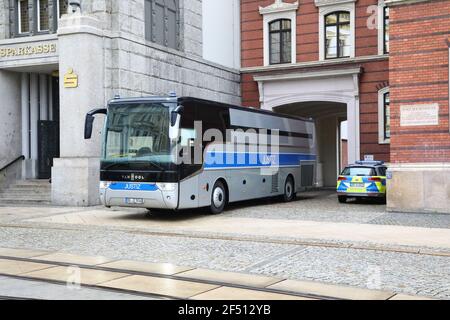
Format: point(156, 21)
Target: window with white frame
point(384, 116)
point(23, 17)
point(383, 28)
point(43, 15)
point(62, 7)
point(336, 29)
point(280, 32)
point(337, 35)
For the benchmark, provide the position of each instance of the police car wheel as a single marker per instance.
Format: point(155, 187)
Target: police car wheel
point(289, 190)
point(342, 199)
point(218, 198)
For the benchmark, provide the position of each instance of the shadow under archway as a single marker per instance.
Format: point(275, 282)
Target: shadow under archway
point(331, 147)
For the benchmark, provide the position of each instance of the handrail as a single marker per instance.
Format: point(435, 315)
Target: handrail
point(12, 162)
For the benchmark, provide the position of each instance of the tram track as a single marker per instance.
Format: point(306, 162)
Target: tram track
point(175, 277)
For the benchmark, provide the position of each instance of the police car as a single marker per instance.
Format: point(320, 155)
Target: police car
point(363, 179)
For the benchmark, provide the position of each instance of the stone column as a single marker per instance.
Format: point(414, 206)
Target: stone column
point(34, 119)
point(353, 131)
point(75, 176)
point(43, 96)
point(10, 123)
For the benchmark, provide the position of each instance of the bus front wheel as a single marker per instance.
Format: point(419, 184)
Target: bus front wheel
point(289, 190)
point(218, 198)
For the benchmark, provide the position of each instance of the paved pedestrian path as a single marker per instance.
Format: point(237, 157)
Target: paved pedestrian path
point(387, 235)
point(167, 281)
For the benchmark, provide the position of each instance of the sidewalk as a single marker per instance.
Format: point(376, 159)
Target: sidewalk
point(260, 229)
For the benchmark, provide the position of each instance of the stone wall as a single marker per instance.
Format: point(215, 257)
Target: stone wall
point(137, 67)
point(4, 19)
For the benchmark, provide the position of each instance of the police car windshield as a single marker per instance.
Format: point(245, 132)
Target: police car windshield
point(359, 171)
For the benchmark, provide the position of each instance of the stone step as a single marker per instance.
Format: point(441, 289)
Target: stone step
point(25, 196)
point(24, 201)
point(32, 184)
point(27, 190)
point(9, 194)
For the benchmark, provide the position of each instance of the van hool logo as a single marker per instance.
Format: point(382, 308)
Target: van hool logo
point(133, 177)
point(27, 50)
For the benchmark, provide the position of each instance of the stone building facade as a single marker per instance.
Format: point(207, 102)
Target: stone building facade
point(107, 47)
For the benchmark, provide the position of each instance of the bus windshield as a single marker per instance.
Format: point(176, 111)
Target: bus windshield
point(138, 133)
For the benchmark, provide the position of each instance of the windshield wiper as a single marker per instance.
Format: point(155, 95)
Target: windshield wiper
point(156, 165)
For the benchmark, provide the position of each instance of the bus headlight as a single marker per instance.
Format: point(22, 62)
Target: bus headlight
point(104, 184)
point(167, 186)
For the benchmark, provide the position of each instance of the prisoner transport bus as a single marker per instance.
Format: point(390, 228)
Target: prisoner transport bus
point(175, 153)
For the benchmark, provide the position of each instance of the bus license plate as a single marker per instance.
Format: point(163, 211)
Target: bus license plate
point(134, 201)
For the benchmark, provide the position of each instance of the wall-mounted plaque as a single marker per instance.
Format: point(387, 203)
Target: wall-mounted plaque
point(419, 115)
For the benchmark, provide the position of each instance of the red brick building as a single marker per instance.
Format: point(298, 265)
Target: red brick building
point(356, 61)
point(419, 89)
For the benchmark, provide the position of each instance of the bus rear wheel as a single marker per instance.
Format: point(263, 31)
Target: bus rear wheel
point(289, 190)
point(218, 198)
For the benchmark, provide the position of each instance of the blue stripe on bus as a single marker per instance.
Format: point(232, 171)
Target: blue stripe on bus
point(245, 160)
point(133, 186)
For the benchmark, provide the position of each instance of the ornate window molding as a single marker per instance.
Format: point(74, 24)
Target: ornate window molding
point(321, 3)
point(329, 6)
point(277, 11)
point(382, 139)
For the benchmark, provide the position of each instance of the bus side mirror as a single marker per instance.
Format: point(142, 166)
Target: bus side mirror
point(89, 122)
point(174, 115)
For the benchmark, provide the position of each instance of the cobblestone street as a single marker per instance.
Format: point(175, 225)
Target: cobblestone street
point(171, 238)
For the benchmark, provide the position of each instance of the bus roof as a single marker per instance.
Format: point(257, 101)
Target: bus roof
point(181, 100)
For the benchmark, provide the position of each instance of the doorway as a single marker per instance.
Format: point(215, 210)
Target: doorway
point(48, 133)
point(40, 124)
point(328, 117)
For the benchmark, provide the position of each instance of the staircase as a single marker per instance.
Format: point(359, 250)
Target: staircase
point(27, 192)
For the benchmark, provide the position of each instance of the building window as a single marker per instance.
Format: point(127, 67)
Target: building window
point(23, 17)
point(280, 41)
point(63, 6)
point(36, 16)
point(386, 30)
point(162, 22)
point(43, 15)
point(338, 35)
point(387, 116)
point(384, 120)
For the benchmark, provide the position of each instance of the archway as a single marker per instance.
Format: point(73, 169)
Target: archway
point(328, 117)
point(329, 96)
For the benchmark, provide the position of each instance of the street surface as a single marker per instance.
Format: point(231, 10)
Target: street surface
point(314, 239)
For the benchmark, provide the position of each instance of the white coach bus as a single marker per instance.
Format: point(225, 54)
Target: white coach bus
point(179, 153)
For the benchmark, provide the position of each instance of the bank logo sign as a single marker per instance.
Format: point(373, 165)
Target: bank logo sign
point(70, 79)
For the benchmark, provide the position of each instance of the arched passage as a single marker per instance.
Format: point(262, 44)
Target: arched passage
point(330, 97)
point(330, 146)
